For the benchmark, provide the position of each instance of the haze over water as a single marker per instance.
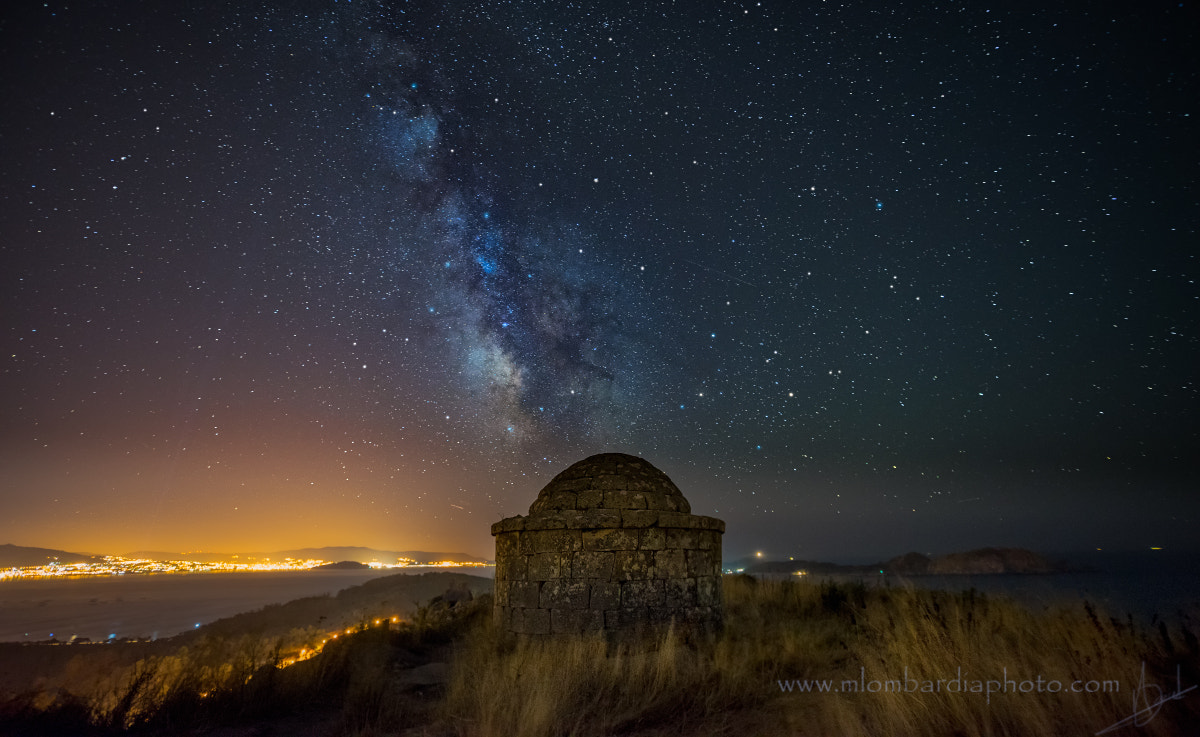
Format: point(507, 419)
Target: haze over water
point(160, 605)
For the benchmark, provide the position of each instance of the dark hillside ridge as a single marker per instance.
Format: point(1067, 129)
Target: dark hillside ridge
point(18, 556)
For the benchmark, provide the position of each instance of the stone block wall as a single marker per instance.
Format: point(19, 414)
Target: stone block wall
point(591, 570)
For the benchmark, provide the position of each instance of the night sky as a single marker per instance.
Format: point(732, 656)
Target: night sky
point(862, 278)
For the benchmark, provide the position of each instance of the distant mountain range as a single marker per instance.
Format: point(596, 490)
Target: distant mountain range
point(15, 556)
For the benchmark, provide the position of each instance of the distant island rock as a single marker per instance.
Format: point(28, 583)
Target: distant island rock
point(344, 565)
point(984, 561)
point(981, 562)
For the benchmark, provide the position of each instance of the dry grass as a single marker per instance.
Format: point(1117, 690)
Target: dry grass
point(904, 634)
point(578, 686)
point(777, 632)
point(784, 631)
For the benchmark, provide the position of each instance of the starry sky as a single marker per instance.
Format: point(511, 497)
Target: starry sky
point(862, 278)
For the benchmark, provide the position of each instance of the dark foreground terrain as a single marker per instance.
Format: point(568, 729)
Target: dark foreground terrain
point(795, 658)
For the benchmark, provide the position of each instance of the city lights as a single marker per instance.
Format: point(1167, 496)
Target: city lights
point(115, 565)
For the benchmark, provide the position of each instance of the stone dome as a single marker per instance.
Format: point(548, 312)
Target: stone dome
point(610, 545)
point(611, 481)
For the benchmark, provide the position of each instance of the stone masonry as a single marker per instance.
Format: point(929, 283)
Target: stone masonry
point(609, 545)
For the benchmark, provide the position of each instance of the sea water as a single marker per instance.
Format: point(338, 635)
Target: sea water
point(1141, 584)
point(1144, 585)
point(159, 605)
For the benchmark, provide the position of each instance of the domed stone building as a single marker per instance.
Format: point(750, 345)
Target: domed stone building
point(609, 545)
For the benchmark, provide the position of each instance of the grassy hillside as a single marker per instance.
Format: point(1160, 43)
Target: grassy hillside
point(381, 598)
point(795, 658)
point(298, 624)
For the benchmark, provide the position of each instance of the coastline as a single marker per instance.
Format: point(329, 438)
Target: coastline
point(162, 605)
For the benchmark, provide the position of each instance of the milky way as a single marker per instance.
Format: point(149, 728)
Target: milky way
point(545, 338)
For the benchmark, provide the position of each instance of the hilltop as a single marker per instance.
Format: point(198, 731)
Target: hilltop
point(786, 648)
